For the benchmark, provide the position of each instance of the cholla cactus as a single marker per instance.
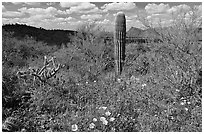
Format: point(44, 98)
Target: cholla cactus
point(44, 73)
point(119, 41)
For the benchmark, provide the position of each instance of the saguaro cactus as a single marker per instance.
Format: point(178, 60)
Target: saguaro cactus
point(119, 41)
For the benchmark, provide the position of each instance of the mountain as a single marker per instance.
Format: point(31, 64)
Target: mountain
point(51, 37)
point(134, 32)
point(150, 33)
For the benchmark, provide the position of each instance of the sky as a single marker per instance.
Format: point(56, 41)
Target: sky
point(71, 15)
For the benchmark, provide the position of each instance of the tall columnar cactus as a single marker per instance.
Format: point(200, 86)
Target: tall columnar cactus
point(119, 41)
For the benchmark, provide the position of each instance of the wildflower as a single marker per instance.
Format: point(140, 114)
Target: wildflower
point(23, 130)
point(78, 84)
point(143, 85)
point(107, 113)
point(92, 125)
point(112, 119)
point(74, 127)
point(94, 119)
point(104, 108)
point(186, 109)
point(189, 102)
point(87, 82)
point(119, 80)
point(103, 119)
point(182, 103)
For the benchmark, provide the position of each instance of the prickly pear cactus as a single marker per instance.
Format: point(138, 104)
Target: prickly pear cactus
point(119, 41)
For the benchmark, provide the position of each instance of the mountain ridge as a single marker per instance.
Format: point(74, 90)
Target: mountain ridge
point(51, 37)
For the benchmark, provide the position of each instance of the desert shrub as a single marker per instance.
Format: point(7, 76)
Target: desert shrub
point(88, 55)
point(17, 52)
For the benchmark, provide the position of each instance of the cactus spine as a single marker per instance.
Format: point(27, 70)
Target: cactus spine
point(119, 41)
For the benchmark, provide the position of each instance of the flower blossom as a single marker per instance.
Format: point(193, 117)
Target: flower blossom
point(107, 113)
point(92, 125)
point(112, 119)
point(74, 127)
point(103, 119)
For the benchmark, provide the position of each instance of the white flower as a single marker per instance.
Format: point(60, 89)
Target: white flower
point(94, 119)
point(182, 103)
point(74, 127)
point(23, 130)
point(186, 109)
point(189, 102)
point(112, 119)
point(104, 108)
point(103, 119)
point(143, 85)
point(92, 125)
point(107, 113)
point(87, 82)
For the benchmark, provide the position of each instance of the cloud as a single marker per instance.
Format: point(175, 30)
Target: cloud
point(33, 3)
point(118, 6)
point(50, 3)
point(63, 20)
point(91, 17)
point(42, 15)
point(42, 11)
point(154, 8)
point(10, 20)
point(80, 7)
point(179, 9)
point(69, 4)
point(17, 3)
point(11, 14)
point(27, 3)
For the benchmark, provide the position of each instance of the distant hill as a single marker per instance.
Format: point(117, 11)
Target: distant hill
point(136, 32)
point(51, 37)
point(57, 37)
